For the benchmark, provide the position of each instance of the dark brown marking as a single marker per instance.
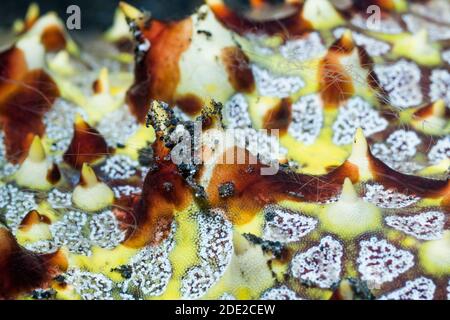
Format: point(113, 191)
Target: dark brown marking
point(293, 24)
point(279, 117)
point(157, 73)
point(87, 145)
point(53, 175)
point(408, 184)
point(238, 68)
point(22, 271)
point(190, 104)
point(33, 217)
point(25, 97)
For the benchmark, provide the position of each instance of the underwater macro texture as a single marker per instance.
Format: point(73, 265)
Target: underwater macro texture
point(93, 205)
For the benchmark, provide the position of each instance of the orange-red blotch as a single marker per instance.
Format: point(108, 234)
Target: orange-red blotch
point(445, 204)
point(22, 271)
point(157, 72)
point(250, 187)
point(432, 109)
point(53, 39)
point(165, 191)
point(97, 86)
point(25, 97)
point(335, 83)
point(13, 67)
point(87, 145)
point(424, 112)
